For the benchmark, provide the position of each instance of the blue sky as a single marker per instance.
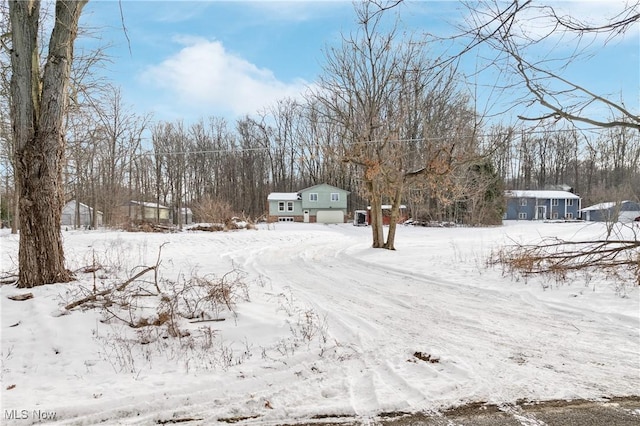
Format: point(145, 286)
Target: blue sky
point(192, 59)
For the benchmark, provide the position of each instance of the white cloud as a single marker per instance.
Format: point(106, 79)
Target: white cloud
point(204, 76)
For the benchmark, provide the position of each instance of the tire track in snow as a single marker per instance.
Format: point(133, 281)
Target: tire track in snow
point(360, 315)
point(375, 305)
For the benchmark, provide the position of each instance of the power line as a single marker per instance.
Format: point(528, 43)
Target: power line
point(516, 133)
point(211, 151)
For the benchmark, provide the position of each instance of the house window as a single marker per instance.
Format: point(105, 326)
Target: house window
point(335, 196)
point(280, 206)
point(570, 202)
point(569, 216)
point(289, 206)
point(523, 201)
point(285, 219)
point(555, 215)
point(313, 196)
point(554, 202)
point(522, 215)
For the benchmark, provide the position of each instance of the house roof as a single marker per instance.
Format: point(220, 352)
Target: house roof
point(283, 196)
point(544, 194)
point(605, 206)
point(73, 202)
point(387, 207)
point(324, 184)
point(292, 196)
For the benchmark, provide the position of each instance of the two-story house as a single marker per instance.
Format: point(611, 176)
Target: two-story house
point(319, 203)
point(541, 205)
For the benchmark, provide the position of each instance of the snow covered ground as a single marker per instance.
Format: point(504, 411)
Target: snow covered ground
point(331, 328)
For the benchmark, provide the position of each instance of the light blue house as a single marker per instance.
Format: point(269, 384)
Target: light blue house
point(320, 203)
point(541, 205)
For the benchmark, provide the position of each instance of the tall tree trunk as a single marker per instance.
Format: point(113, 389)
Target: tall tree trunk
point(16, 207)
point(37, 110)
point(395, 214)
point(375, 214)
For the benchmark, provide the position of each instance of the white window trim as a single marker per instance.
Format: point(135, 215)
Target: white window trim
point(337, 197)
point(523, 202)
point(289, 206)
point(569, 215)
point(569, 202)
point(281, 206)
point(522, 215)
point(311, 197)
point(554, 202)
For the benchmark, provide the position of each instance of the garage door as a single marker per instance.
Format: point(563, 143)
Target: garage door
point(330, 216)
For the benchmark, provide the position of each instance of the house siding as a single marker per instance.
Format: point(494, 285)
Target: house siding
point(274, 209)
point(626, 211)
point(323, 202)
point(541, 205)
point(147, 212)
point(301, 202)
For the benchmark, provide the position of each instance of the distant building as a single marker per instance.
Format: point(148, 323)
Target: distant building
point(403, 216)
point(79, 215)
point(319, 203)
point(623, 211)
point(541, 205)
point(140, 211)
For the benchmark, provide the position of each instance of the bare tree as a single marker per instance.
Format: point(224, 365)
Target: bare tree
point(8, 204)
point(38, 105)
point(500, 25)
point(117, 135)
point(253, 160)
point(316, 139)
point(399, 114)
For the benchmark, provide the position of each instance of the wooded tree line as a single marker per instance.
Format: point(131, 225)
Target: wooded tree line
point(115, 155)
point(416, 126)
point(599, 164)
point(286, 148)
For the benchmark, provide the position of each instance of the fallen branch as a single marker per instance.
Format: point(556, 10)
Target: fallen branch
point(556, 256)
point(21, 297)
point(94, 296)
point(208, 320)
point(9, 279)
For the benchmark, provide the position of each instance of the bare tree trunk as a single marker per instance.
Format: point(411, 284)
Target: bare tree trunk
point(395, 213)
point(15, 223)
point(77, 220)
point(37, 110)
point(376, 215)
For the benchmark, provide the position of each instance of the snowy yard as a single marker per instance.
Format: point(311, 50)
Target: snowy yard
point(327, 327)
